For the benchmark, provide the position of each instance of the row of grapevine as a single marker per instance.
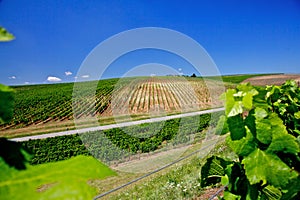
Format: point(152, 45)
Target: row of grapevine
point(115, 144)
point(171, 94)
point(40, 104)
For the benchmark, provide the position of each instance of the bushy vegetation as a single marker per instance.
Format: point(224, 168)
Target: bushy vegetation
point(116, 143)
point(264, 133)
point(55, 149)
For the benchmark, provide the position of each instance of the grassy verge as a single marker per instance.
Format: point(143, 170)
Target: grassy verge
point(180, 181)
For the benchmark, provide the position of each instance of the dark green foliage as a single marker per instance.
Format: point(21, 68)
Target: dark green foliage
point(6, 104)
point(115, 143)
point(13, 153)
point(213, 170)
point(55, 149)
point(285, 101)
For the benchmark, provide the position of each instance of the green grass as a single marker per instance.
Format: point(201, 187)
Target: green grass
point(181, 181)
point(60, 180)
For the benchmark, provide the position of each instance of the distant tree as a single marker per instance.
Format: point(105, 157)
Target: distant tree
point(193, 75)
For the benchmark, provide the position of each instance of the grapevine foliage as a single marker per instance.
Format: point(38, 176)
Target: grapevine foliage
point(264, 126)
point(112, 144)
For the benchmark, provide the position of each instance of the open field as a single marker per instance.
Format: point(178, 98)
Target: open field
point(238, 78)
point(277, 79)
point(49, 108)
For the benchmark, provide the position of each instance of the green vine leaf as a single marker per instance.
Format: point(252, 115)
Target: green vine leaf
point(232, 108)
point(263, 129)
point(213, 170)
point(244, 146)
point(262, 167)
point(297, 115)
point(5, 36)
point(260, 113)
point(247, 101)
point(222, 126)
point(236, 127)
point(6, 103)
point(282, 141)
point(230, 196)
point(271, 193)
point(236, 109)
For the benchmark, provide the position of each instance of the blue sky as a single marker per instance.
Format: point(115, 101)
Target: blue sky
point(55, 36)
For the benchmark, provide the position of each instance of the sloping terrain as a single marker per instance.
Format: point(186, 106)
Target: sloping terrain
point(278, 79)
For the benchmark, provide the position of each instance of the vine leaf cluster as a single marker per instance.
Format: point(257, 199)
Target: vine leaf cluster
point(263, 126)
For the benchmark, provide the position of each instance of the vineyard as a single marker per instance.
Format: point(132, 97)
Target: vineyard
point(41, 107)
point(116, 144)
point(261, 124)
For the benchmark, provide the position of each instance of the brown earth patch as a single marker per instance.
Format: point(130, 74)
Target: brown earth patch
point(278, 79)
point(208, 193)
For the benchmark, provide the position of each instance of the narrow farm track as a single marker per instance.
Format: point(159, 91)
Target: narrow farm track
point(124, 124)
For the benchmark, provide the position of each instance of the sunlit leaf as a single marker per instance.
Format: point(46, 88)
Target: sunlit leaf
point(297, 115)
point(229, 100)
point(60, 180)
point(5, 36)
point(260, 113)
point(247, 101)
point(262, 167)
point(263, 131)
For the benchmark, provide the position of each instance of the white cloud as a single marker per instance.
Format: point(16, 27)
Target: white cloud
point(26, 82)
point(12, 77)
point(179, 69)
point(68, 73)
point(53, 79)
point(85, 76)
